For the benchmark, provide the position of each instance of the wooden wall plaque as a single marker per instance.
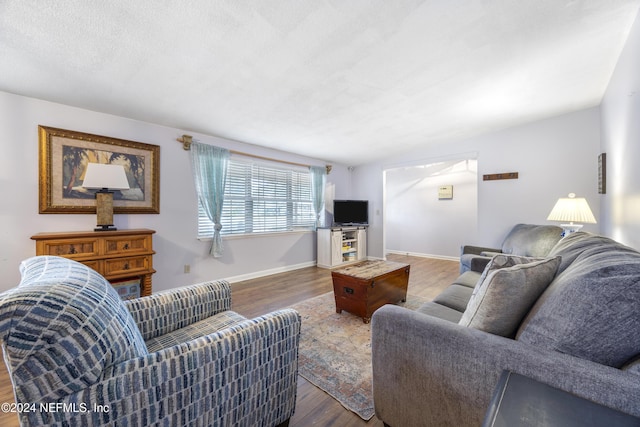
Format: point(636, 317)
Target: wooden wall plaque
point(497, 176)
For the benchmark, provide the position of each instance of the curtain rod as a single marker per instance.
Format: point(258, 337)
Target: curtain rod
point(186, 141)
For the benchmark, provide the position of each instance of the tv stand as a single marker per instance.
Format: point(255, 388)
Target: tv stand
point(341, 245)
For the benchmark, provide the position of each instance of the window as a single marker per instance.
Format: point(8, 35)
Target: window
point(262, 198)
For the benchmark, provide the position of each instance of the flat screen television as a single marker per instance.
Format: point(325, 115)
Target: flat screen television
point(347, 212)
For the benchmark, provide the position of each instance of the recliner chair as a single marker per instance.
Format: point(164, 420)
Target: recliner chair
point(523, 239)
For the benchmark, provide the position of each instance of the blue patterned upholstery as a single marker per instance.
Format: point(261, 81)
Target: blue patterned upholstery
point(195, 330)
point(165, 312)
point(61, 327)
point(68, 339)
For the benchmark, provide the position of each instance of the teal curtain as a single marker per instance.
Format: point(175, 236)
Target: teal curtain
point(318, 179)
point(209, 165)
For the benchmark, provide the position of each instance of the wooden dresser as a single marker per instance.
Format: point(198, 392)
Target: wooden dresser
point(123, 257)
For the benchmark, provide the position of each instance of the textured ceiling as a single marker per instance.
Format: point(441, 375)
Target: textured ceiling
point(348, 81)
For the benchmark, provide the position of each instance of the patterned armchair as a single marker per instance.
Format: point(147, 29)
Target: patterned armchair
point(78, 355)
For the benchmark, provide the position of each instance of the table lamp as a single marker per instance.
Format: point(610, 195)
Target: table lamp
point(572, 209)
point(106, 178)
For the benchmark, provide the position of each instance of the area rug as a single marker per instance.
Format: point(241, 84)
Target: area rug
point(335, 352)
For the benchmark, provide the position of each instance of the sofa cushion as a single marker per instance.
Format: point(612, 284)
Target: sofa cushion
point(507, 289)
point(468, 279)
point(590, 310)
point(440, 311)
point(210, 325)
point(455, 297)
point(479, 263)
point(61, 327)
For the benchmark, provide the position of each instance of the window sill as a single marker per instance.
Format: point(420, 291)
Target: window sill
point(252, 235)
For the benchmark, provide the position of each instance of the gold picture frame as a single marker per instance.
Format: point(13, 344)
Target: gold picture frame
point(64, 155)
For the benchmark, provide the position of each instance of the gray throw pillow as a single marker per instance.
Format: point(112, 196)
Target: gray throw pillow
point(506, 291)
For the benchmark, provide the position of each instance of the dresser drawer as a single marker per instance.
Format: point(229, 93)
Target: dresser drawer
point(127, 244)
point(96, 265)
point(127, 265)
point(69, 248)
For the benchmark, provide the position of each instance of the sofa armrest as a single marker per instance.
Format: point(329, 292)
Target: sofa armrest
point(428, 371)
point(242, 375)
point(166, 311)
point(477, 250)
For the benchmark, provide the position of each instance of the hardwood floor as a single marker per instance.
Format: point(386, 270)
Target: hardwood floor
point(255, 297)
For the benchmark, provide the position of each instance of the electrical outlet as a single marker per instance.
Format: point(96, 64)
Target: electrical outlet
point(187, 269)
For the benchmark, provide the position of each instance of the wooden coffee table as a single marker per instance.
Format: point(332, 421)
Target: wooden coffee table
point(363, 288)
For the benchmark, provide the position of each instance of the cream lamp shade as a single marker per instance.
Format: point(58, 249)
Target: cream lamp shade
point(100, 175)
point(106, 178)
point(572, 210)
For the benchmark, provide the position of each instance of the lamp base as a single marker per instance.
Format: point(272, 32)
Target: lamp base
point(104, 210)
point(105, 228)
point(570, 228)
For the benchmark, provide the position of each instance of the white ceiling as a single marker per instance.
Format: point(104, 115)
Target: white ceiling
point(348, 81)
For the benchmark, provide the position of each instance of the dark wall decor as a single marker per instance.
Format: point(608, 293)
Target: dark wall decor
point(602, 173)
point(497, 176)
point(64, 155)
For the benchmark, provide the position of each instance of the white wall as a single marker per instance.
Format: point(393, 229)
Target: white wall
point(416, 221)
point(621, 141)
point(553, 158)
point(367, 184)
point(175, 241)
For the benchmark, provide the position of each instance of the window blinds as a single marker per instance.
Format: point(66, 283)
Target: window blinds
point(263, 198)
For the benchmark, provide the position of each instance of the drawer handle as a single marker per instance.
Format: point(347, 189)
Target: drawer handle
point(125, 266)
point(348, 291)
point(126, 246)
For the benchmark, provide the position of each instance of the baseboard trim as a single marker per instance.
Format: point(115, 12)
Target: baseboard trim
point(287, 268)
point(416, 254)
point(271, 271)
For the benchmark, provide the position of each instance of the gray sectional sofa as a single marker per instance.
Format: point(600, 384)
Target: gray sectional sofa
point(570, 319)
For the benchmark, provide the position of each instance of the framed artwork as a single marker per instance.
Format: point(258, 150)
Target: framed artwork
point(64, 155)
point(602, 173)
point(445, 192)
